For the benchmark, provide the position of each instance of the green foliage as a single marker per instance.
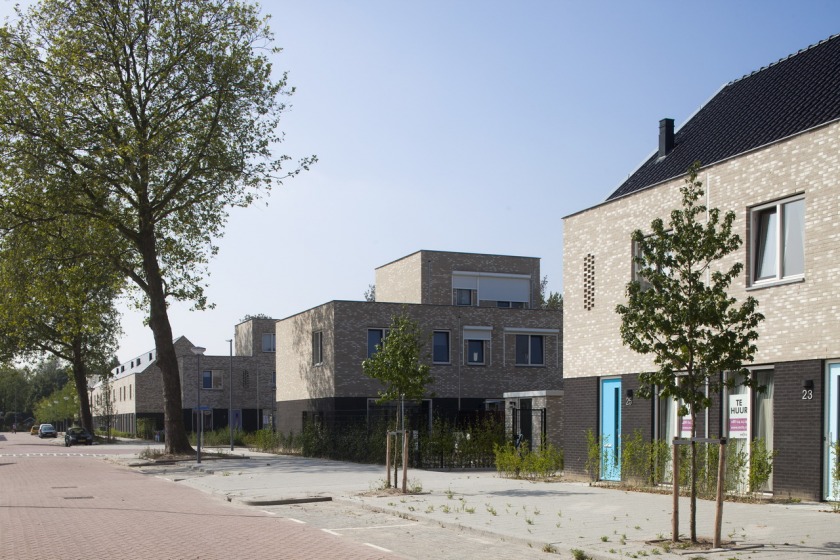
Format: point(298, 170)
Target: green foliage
point(352, 442)
point(449, 446)
point(835, 476)
point(682, 314)
point(146, 428)
point(593, 455)
point(761, 464)
point(643, 461)
point(524, 462)
point(58, 406)
point(678, 309)
point(553, 301)
point(175, 122)
point(578, 554)
point(396, 363)
point(508, 460)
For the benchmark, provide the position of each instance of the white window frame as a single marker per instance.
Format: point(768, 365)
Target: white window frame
point(779, 229)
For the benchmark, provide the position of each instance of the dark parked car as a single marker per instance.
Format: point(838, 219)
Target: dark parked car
point(47, 430)
point(77, 435)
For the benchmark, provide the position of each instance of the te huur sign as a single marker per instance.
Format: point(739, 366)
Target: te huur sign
point(739, 414)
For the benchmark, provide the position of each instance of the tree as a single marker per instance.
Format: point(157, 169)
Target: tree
point(14, 390)
point(554, 300)
point(370, 293)
point(58, 299)
point(681, 314)
point(104, 405)
point(149, 118)
point(59, 406)
point(396, 364)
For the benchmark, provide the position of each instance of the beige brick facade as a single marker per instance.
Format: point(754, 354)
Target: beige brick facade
point(802, 318)
point(426, 276)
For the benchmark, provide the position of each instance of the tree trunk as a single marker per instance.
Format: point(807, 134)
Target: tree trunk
point(80, 379)
point(176, 441)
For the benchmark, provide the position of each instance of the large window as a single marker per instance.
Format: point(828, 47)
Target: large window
point(475, 352)
point(440, 344)
point(211, 379)
point(529, 350)
point(269, 342)
point(317, 348)
point(778, 241)
point(375, 338)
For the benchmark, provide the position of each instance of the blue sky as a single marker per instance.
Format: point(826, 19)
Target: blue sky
point(465, 126)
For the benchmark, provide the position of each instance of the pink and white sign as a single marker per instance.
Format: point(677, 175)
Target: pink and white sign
point(739, 416)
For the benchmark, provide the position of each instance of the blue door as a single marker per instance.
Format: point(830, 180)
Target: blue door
point(611, 429)
point(832, 432)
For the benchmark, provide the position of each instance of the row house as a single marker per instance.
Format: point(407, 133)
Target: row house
point(242, 383)
point(769, 146)
point(486, 337)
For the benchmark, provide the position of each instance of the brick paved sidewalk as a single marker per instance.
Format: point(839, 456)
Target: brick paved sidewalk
point(84, 508)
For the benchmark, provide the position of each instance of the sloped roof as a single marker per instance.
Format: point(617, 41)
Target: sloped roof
point(790, 96)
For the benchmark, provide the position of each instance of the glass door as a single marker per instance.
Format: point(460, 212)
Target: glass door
point(611, 429)
point(832, 433)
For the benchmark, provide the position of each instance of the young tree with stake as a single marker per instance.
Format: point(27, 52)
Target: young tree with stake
point(680, 312)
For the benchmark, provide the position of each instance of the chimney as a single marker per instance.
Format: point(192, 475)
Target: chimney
point(666, 137)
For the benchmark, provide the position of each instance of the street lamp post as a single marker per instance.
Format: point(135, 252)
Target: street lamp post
point(198, 351)
point(230, 393)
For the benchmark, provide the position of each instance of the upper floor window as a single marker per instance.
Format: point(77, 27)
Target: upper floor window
point(778, 240)
point(463, 296)
point(440, 347)
point(475, 352)
point(375, 338)
point(211, 379)
point(317, 348)
point(529, 350)
point(269, 342)
point(511, 304)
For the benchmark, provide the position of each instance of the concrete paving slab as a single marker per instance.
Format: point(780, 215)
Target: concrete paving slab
point(559, 516)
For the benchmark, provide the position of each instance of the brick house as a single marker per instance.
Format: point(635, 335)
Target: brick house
point(769, 145)
point(137, 387)
point(486, 337)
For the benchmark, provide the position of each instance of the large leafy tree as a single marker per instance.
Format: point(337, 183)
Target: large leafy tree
point(58, 299)
point(680, 313)
point(149, 118)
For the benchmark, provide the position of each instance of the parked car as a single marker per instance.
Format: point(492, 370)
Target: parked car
point(47, 430)
point(77, 435)
point(33, 431)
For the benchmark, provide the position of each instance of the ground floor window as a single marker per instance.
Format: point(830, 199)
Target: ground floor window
point(748, 419)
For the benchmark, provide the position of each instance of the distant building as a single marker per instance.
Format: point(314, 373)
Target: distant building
point(136, 386)
point(485, 336)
